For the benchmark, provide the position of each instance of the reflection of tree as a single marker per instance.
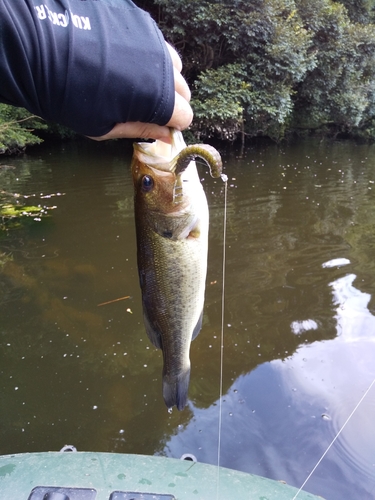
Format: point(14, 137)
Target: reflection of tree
point(302, 402)
point(277, 241)
point(78, 366)
point(289, 211)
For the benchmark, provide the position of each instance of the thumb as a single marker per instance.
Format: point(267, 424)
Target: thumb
point(132, 130)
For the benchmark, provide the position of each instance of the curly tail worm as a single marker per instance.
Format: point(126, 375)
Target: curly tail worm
point(203, 151)
point(188, 154)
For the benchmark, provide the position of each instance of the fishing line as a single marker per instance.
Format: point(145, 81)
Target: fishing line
point(225, 180)
point(334, 439)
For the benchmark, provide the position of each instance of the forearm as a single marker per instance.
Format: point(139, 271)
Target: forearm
point(87, 65)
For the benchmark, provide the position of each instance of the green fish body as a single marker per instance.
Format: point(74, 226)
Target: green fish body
point(171, 215)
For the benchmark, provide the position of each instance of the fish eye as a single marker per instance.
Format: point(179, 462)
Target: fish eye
point(147, 183)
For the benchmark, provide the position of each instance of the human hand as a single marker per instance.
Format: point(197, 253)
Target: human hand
point(181, 118)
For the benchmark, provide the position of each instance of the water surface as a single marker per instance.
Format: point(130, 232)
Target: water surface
point(299, 344)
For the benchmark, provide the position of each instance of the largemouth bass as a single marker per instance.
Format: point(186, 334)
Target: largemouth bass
point(171, 216)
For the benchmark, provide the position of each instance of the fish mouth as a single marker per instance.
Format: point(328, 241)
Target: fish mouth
point(159, 154)
point(175, 157)
point(145, 154)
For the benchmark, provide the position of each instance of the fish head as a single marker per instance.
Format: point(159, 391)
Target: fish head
point(155, 183)
point(164, 201)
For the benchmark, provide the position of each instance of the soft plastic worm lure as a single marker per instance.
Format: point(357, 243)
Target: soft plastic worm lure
point(203, 151)
point(190, 153)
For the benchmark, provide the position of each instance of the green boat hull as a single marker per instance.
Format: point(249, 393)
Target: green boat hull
point(105, 476)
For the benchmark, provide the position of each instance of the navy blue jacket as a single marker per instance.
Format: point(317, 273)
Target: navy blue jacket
point(87, 64)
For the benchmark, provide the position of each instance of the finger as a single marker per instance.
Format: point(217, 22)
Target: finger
point(180, 85)
point(182, 114)
point(176, 59)
point(133, 130)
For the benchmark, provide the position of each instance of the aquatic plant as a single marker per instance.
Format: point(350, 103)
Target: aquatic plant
point(13, 215)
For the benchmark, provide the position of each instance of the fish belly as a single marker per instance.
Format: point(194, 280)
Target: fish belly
point(172, 277)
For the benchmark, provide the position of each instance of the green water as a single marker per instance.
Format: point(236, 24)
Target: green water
point(299, 344)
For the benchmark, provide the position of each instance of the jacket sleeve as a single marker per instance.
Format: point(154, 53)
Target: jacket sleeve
point(86, 64)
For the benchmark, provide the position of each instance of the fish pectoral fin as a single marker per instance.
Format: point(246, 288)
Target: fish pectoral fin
point(152, 334)
point(198, 326)
point(195, 233)
point(188, 228)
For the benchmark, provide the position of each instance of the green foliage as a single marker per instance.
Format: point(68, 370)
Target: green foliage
point(221, 98)
point(61, 131)
point(14, 215)
point(275, 66)
point(252, 54)
point(339, 91)
point(360, 11)
point(16, 209)
point(16, 129)
point(260, 67)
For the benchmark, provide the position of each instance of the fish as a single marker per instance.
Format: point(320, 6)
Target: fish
point(172, 221)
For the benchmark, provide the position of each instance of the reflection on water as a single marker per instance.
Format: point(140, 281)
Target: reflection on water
point(354, 320)
point(280, 419)
point(299, 317)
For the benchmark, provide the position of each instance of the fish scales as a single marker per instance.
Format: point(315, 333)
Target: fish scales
point(173, 299)
point(172, 241)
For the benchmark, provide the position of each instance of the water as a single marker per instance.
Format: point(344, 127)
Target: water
point(299, 318)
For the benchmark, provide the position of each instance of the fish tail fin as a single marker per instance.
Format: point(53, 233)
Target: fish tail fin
point(175, 389)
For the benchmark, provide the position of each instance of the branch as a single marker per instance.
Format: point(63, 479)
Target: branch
point(6, 125)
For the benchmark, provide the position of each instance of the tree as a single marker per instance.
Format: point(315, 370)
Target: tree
point(261, 67)
point(339, 91)
point(360, 11)
point(264, 42)
point(221, 97)
point(16, 129)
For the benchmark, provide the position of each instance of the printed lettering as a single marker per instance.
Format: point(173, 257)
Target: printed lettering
point(63, 19)
point(80, 22)
point(52, 16)
point(40, 12)
point(86, 23)
point(76, 20)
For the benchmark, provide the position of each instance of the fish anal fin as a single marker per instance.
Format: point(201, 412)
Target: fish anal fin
point(198, 326)
point(152, 334)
